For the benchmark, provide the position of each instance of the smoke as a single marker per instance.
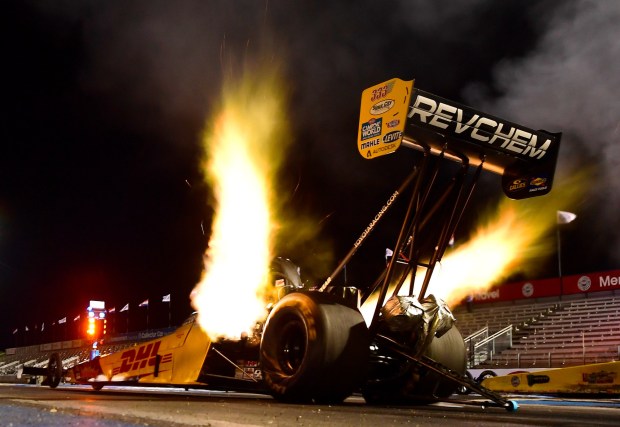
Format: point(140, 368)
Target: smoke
point(570, 83)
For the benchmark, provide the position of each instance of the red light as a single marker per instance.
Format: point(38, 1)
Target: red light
point(91, 326)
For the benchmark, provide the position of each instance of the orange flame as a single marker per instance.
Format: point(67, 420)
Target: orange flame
point(243, 151)
point(518, 239)
point(515, 238)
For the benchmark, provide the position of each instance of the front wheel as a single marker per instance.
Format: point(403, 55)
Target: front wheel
point(484, 375)
point(54, 370)
point(313, 348)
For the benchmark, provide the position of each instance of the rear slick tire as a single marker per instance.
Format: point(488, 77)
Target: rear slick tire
point(313, 349)
point(419, 385)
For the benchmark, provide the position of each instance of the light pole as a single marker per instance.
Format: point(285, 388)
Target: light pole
point(563, 217)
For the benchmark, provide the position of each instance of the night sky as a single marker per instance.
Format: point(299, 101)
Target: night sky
point(103, 105)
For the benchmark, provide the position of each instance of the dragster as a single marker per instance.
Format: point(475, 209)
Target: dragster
point(315, 345)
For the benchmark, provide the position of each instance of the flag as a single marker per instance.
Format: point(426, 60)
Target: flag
point(125, 308)
point(112, 310)
point(565, 217)
point(144, 303)
point(15, 331)
point(388, 253)
point(63, 320)
point(76, 318)
point(166, 298)
point(42, 326)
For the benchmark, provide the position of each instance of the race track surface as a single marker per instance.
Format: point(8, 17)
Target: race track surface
point(30, 405)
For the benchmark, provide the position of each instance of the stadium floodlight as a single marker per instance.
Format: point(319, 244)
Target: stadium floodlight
point(97, 305)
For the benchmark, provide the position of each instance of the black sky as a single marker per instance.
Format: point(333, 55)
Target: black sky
point(103, 105)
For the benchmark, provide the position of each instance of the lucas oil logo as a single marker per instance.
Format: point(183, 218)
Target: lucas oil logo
point(371, 128)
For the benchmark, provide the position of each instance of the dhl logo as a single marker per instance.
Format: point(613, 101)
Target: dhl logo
point(140, 358)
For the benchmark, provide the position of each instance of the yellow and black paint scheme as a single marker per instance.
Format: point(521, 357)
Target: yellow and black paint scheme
point(383, 115)
point(599, 378)
point(173, 359)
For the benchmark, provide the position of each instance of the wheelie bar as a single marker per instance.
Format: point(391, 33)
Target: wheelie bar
point(496, 399)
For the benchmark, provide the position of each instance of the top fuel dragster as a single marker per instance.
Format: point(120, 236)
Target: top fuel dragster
point(315, 345)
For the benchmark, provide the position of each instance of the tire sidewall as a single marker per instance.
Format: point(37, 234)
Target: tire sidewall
point(303, 311)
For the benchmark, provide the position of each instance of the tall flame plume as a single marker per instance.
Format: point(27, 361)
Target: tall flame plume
point(243, 149)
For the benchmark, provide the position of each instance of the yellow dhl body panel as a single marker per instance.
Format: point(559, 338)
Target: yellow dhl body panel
point(586, 379)
point(181, 356)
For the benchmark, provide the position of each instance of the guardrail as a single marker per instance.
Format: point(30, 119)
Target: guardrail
point(493, 344)
point(471, 341)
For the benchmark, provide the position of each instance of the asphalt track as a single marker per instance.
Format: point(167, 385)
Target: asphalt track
point(30, 405)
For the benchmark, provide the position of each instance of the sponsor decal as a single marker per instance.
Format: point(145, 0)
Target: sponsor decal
point(249, 370)
point(527, 290)
point(517, 184)
point(607, 281)
point(382, 107)
point(515, 381)
point(482, 296)
point(600, 377)
point(537, 379)
point(383, 91)
point(384, 148)
point(140, 358)
point(371, 128)
point(393, 123)
point(392, 136)
point(479, 128)
point(584, 283)
point(538, 183)
point(369, 144)
point(376, 219)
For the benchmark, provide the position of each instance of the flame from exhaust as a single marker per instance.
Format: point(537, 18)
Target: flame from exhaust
point(515, 238)
point(519, 238)
point(243, 150)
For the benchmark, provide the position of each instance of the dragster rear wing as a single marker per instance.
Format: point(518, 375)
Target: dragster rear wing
point(393, 113)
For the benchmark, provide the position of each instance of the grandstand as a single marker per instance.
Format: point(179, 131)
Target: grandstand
point(542, 334)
